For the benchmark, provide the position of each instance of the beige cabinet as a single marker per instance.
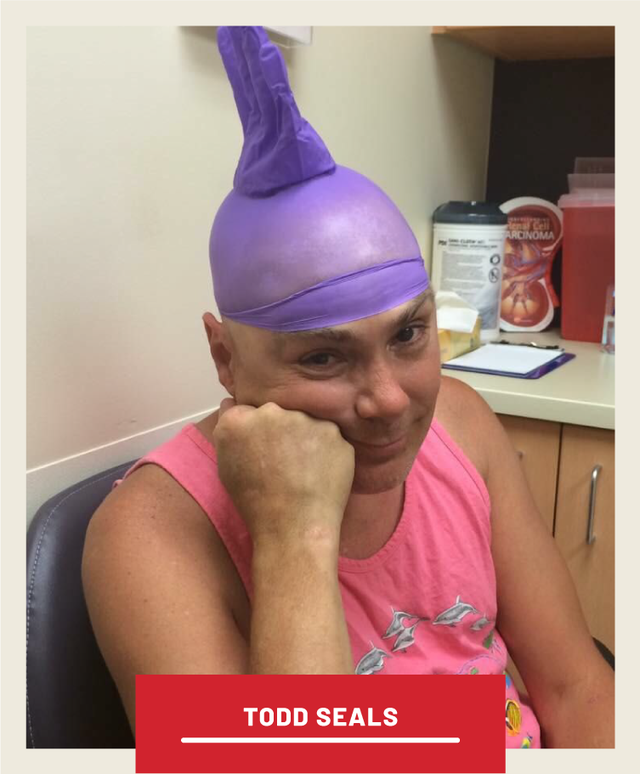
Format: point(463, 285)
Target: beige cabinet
point(570, 470)
point(585, 522)
point(538, 446)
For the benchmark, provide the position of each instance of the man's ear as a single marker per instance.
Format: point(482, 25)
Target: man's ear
point(221, 348)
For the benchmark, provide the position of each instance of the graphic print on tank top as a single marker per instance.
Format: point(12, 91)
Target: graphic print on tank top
point(454, 614)
point(405, 633)
point(404, 629)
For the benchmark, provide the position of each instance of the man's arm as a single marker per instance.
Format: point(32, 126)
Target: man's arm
point(298, 624)
point(289, 476)
point(162, 591)
point(160, 587)
point(539, 616)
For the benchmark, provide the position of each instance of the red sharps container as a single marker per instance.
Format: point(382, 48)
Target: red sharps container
point(588, 265)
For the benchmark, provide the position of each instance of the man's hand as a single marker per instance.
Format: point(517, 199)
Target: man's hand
point(288, 474)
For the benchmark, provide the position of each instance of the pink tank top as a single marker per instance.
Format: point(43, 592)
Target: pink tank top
point(425, 603)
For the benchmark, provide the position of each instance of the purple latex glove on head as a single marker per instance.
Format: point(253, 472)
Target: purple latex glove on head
point(280, 147)
point(300, 243)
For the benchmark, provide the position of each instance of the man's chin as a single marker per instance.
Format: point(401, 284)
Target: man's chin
point(375, 479)
point(377, 474)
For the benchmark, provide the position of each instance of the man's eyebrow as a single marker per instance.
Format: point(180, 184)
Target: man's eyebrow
point(411, 311)
point(343, 336)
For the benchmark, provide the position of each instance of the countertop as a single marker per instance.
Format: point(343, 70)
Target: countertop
point(580, 392)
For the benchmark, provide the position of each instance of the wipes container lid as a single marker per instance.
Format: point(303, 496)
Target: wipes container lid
point(470, 214)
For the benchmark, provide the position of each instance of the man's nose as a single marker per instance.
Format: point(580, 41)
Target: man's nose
point(381, 395)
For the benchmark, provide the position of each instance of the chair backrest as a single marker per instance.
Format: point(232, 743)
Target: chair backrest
point(72, 700)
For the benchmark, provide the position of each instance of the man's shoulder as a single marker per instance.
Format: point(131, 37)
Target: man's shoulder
point(149, 501)
point(469, 420)
point(148, 486)
point(458, 401)
point(148, 522)
point(151, 513)
point(155, 485)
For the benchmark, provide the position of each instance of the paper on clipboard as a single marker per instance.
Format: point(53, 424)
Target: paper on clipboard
point(505, 358)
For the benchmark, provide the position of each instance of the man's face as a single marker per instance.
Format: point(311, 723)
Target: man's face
point(376, 378)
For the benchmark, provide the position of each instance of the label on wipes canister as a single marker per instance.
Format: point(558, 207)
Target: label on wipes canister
point(469, 261)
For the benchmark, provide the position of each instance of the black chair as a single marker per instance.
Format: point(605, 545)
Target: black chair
point(72, 700)
point(606, 654)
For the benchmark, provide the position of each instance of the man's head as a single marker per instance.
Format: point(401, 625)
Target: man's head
point(376, 378)
point(319, 281)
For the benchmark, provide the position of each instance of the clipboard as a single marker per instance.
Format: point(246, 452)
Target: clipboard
point(494, 359)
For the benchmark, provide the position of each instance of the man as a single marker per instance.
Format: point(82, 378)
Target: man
point(346, 510)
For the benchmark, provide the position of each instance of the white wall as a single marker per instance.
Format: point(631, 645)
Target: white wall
point(133, 138)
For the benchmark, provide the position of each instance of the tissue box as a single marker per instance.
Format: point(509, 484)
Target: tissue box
point(454, 343)
point(459, 325)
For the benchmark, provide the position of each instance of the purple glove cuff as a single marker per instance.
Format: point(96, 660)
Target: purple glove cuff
point(341, 299)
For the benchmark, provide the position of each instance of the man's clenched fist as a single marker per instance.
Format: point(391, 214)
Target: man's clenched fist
point(288, 474)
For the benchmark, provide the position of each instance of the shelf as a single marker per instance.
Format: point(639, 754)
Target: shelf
point(515, 44)
point(580, 392)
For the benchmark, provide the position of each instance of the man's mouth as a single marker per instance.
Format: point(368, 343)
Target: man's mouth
point(380, 448)
point(380, 444)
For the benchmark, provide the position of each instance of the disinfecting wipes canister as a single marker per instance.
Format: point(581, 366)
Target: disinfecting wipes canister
point(468, 255)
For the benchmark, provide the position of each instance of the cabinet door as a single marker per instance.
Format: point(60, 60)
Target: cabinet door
point(585, 488)
point(538, 446)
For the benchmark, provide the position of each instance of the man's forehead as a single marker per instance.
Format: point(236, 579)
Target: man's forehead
point(343, 333)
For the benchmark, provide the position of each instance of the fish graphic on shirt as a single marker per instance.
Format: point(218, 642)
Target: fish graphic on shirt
point(480, 624)
point(406, 638)
point(454, 614)
point(397, 626)
point(371, 662)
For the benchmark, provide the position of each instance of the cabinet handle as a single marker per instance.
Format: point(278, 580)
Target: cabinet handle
point(592, 504)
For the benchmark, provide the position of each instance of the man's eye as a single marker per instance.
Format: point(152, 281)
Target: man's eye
point(409, 334)
point(318, 359)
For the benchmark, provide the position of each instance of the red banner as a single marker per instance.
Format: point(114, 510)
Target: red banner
point(318, 723)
